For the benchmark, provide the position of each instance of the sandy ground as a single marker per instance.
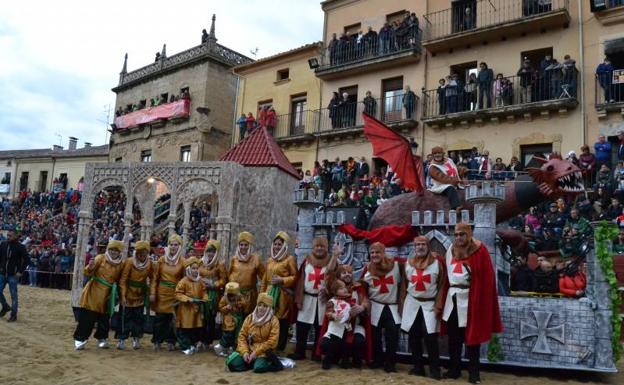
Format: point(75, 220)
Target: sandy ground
point(38, 349)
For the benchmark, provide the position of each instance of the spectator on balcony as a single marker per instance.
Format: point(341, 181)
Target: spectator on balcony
point(441, 93)
point(334, 115)
point(452, 94)
point(470, 93)
point(242, 126)
point(362, 168)
point(409, 103)
point(485, 165)
point(261, 116)
point(587, 164)
point(498, 90)
point(499, 169)
point(485, 77)
point(347, 111)
point(338, 174)
point(119, 111)
point(413, 25)
point(251, 122)
point(343, 49)
point(526, 74)
point(351, 170)
point(604, 73)
point(507, 92)
point(604, 179)
point(469, 21)
point(572, 158)
point(332, 49)
point(186, 95)
point(602, 148)
point(568, 86)
point(270, 120)
point(543, 79)
point(555, 73)
point(360, 44)
point(385, 38)
point(370, 42)
point(370, 104)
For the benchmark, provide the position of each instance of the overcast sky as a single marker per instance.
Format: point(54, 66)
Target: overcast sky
point(59, 59)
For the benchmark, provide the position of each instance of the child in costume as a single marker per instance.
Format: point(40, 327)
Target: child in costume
point(338, 315)
point(232, 307)
point(191, 295)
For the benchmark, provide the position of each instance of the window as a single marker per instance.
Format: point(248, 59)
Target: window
point(396, 16)
point(536, 56)
point(7, 178)
point(143, 103)
point(63, 180)
point(24, 181)
point(146, 156)
point(265, 103)
point(298, 104)
point(392, 102)
point(282, 74)
point(128, 107)
point(353, 29)
point(118, 160)
point(529, 151)
point(185, 154)
point(298, 166)
point(464, 70)
point(43, 180)
point(184, 89)
point(164, 98)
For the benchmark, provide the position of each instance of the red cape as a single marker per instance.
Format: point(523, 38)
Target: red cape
point(483, 312)
point(390, 236)
point(368, 353)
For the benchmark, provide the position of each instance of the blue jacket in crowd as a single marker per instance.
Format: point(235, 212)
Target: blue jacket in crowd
point(603, 151)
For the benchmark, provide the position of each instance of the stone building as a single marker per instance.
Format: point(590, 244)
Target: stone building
point(179, 108)
point(36, 169)
point(556, 109)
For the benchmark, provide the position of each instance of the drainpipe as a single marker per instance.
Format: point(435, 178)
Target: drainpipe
point(235, 125)
point(581, 81)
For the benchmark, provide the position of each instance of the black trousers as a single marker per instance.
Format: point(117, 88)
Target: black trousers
point(452, 196)
point(208, 333)
point(163, 328)
point(333, 349)
point(456, 340)
point(132, 324)
point(86, 320)
point(283, 334)
point(302, 330)
point(417, 333)
point(390, 331)
point(188, 337)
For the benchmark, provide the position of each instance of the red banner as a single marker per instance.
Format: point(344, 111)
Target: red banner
point(390, 236)
point(177, 109)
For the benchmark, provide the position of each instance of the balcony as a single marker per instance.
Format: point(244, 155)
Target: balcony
point(470, 23)
point(608, 12)
point(346, 58)
point(454, 106)
point(609, 97)
point(343, 121)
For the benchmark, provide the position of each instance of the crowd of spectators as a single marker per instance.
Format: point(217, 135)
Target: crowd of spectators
point(153, 102)
point(265, 117)
point(612, 92)
point(482, 89)
point(393, 36)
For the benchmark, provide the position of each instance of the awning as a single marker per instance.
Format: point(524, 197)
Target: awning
point(613, 46)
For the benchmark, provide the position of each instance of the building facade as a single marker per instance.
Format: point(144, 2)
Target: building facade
point(37, 170)
point(538, 105)
point(179, 108)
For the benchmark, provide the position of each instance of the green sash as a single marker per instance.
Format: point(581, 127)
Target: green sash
point(212, 300)
point(112, 299)
point(169, 284)
point(274, 292)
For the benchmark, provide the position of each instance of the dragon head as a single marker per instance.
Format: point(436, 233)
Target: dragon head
point(557, 177)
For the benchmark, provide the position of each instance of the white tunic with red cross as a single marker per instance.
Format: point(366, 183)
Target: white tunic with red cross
point(313, 282)
point(382, 292)
point(422, 289)
point(338, 325)
point(458, 275)
point(355, 300)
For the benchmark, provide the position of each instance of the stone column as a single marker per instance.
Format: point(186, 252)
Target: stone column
point(187, 223)
point(82, 243)
point(307, 203)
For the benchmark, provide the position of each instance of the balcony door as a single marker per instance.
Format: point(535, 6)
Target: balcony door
point(298, 106)
point(392, 101)
point(528, 152)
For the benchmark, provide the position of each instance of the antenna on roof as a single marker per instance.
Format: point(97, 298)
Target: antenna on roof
point(254, 51)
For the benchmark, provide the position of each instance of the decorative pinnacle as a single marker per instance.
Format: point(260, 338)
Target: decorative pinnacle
point(163, 53)
point(124, 69)
point(212, 27)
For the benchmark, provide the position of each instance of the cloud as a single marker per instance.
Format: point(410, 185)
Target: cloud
point(60, 59)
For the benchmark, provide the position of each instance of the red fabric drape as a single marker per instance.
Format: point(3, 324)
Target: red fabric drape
point(147, 115)
point(390, 236)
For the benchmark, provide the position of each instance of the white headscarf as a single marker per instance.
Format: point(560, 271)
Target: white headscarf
point(189, 274)
point(243, 258)
point(280, 254)
point(173, 260)
point(259, 321)
point(212, 263)
point(139, 265)
point(111, 260)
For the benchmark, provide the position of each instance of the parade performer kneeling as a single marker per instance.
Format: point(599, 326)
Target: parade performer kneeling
point(247, 269)
point(232, 308)
point(423, 301)
point(191, 296)
point(257, 340)
point(97, 301)
point(471, 307)
point(134, 296)
point(214, 277)
point(310, 282)
point(168, 271)
point(279, 281)
point(382, 278)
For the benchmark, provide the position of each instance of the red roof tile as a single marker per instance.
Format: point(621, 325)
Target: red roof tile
point(259, 149)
